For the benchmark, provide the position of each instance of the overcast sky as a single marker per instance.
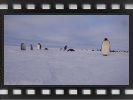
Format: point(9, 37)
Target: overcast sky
point(76, 31)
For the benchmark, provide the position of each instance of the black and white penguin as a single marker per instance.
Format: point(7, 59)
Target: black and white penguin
point(39, 46)
point(105, 47)
point(31, 47)
point(65, 48)
point(22, 46)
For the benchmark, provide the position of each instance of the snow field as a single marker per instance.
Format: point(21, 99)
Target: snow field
point(55, 67)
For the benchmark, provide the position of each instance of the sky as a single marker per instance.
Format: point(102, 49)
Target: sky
point(75, 31)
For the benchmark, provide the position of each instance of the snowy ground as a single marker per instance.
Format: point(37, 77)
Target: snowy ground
point(55, 67)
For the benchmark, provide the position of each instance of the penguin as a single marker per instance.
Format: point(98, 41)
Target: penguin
point(31, 47)
point(105, 47)
point(22, 46)
point(70, 50)
point(46, 48)
point(39, 46)
point(65, 47)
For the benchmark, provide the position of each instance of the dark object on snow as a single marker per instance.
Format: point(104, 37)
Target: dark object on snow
point(98, 49)
point(65, 47)
point(70, 50)
point(105, 39)
point(112, 50)
point(39, 46)
point(22, 46)
point(105, 55)
point(125, 51)
point(31, 47)
point(46, 48)
point(92, 50)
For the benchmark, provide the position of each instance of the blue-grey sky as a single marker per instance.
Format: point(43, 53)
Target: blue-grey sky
point(77, 31)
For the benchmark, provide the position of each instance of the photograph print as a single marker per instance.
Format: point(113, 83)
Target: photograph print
point(66, 49)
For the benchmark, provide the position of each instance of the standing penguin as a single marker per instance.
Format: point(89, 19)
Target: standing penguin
point(65, 47)
point(39, 46)
point(105, 47)
point(31, 47)
point(22, 46)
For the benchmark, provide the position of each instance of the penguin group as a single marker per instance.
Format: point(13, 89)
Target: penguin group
point(23, 46)
point(105, 47)
point(66, 49)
